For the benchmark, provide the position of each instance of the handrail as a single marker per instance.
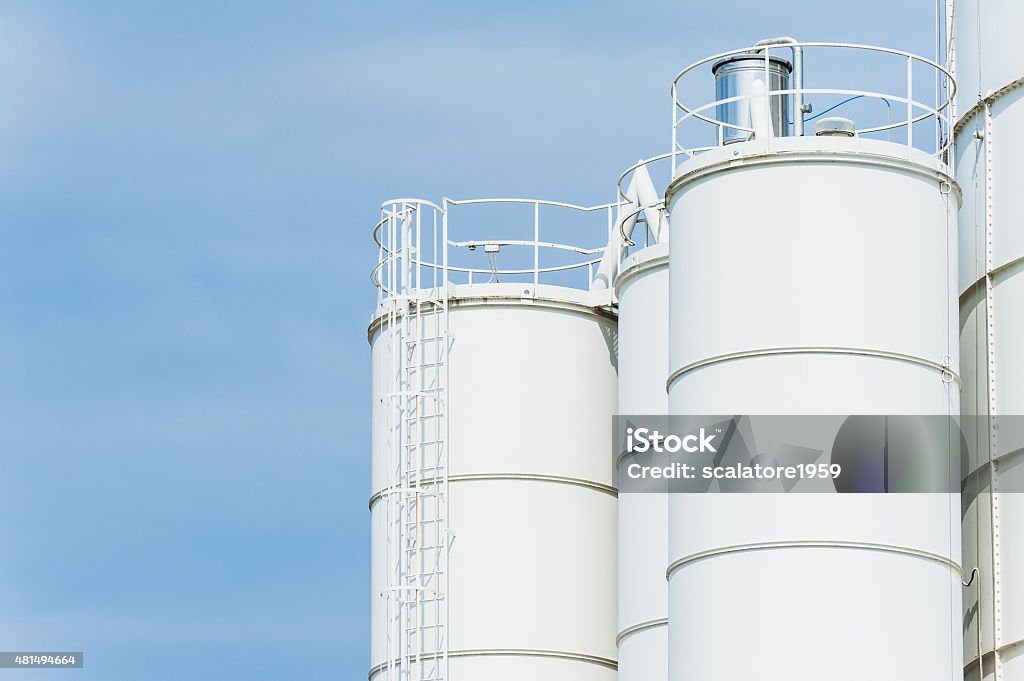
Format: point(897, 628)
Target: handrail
point(638, 208)
point(629, 171)
point(855, 46)
point(916, 111)
point(929, 112)
point(509, 242)
point(415, 247)
point(542, 202)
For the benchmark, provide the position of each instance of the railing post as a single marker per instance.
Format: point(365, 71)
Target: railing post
point(674, 124)
point(798, 98)
point(444, 245)
point(910, 99)
point(433, 252)
point(767, 100)
point(415, 255)
point(406, 245)
point(611, 226)
point(536, 246)
point(393, 257)
point(380, 260)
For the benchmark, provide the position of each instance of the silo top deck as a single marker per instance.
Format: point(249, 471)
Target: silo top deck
point(847, 150)
point(491, 251)
point(891, 95)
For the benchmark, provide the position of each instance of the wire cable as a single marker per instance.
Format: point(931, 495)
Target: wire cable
point(845, 101)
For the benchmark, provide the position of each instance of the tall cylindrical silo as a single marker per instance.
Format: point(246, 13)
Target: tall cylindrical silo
point(989, 148)
point(642, 291)
point(812, 275)
point(529, 555)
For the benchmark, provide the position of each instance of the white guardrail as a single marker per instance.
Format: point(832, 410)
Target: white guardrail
point(688, 119)
point(416, 248)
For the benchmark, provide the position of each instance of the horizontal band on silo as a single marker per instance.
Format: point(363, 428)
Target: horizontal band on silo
point(510, 652)
point(526, 477)
point(814, 350)
point(814, 544)
point(642, 626)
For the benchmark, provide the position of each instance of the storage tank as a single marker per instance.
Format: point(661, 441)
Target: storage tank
point(642, 291)
point(989, 146)
point(522, 582)
point(813, 276)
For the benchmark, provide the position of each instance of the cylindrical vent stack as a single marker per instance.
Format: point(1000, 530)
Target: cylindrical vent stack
point(989, 148)
point(736, 77)
point(531, 506)
point(642, 289)
point(813, 278)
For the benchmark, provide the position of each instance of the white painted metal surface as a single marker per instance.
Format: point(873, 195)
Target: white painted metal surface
point(989, 148)
point(828, 289)
point(642, 290)
point(524, 584)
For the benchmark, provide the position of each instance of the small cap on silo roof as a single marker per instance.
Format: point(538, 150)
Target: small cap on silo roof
point(835, 126)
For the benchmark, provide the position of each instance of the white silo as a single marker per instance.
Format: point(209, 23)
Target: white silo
point(989, 146)
point(642, 288)
point(812, 275)
point(493, 508)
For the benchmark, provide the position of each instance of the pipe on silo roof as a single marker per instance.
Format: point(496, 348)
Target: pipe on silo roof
point(798, 77)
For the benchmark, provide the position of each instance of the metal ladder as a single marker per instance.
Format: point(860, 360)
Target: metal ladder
point(417, 499)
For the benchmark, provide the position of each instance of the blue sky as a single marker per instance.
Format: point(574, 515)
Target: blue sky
point(186, 196)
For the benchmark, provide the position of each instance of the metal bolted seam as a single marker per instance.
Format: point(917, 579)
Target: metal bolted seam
point(1006, 647)
point(997, 608)
point(990, 347)
point(996, 272)
point(985, 102)
point(998, 460)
